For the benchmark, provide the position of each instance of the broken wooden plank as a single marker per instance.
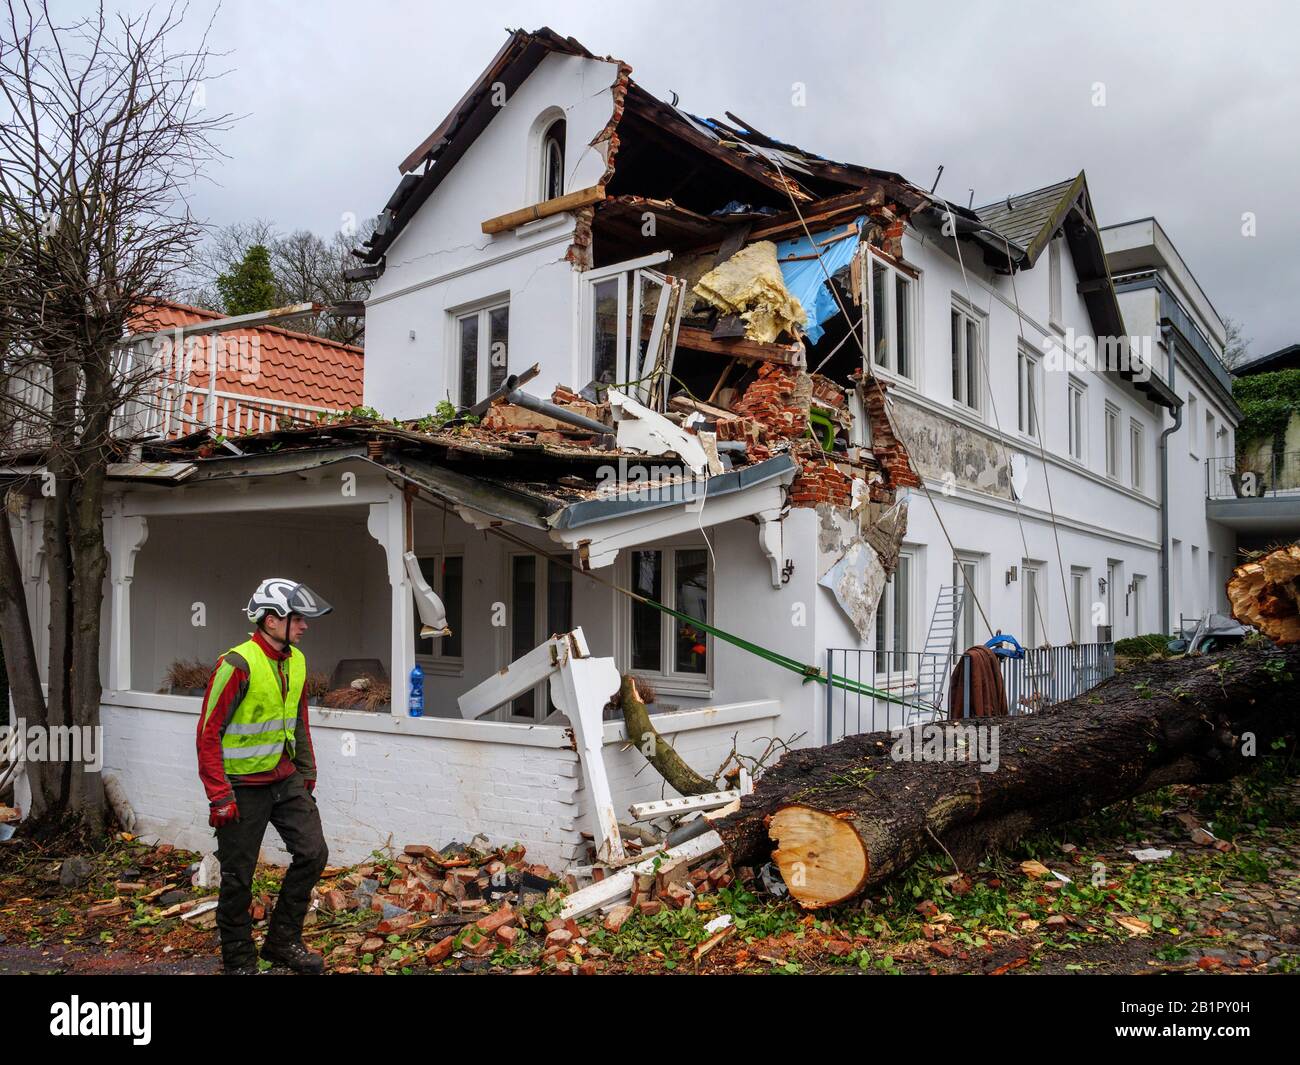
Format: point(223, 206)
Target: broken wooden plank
point(568, 202)
point(610, 890)
point(648, 811)
point(701, 340)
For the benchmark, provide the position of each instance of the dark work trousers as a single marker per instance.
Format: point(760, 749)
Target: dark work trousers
point(288, 806)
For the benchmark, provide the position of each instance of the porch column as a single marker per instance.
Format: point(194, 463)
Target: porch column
point(387, 525)
point(126, 535)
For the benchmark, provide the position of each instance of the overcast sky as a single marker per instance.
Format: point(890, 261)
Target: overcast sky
point(1198, 125)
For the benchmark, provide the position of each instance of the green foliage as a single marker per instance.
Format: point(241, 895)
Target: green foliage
point(1153, 643)
point(250, 285)
point(1267, 402)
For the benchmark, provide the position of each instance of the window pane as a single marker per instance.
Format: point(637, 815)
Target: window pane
point(453, 585)
point(902, 586)
point(972, 361)
point(604, 336)
point(559, 599)
point(692, 597)
point(881, 608)
point(553, 163)
point(468, 360)
point(647, 631)
point(651, 291)
point(523, 607)
point(903, 324)
point(429, 570)
point(498, 344)
point(956, 355)
point(880, 311)
point(1031, 397)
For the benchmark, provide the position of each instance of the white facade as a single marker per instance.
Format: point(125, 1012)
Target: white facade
point(1161, 298)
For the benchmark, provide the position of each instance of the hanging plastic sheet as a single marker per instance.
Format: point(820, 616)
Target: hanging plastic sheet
point(805, 277)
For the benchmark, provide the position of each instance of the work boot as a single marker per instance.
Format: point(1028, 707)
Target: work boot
point(294, 955)
point(240, 962)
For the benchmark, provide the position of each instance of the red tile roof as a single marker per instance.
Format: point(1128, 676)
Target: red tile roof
point(270, 363)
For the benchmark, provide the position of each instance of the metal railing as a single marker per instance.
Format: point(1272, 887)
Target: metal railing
point(887, 689)
point(1276, 475)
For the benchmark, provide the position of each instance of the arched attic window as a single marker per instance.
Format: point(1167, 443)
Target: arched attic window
point(552, 169)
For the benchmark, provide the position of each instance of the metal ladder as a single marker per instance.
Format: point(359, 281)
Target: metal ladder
point(936, 660)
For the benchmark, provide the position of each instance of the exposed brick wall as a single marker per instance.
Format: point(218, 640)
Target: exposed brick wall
point(885, 445)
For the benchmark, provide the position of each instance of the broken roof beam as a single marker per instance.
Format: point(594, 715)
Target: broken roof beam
point(239, 321)
point(571, 201)
point(671, 121)
point(696, 339)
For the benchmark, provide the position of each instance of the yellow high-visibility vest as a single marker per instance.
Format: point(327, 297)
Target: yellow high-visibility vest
point(265, 723)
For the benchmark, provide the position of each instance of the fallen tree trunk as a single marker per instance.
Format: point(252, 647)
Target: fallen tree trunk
point(852, 814)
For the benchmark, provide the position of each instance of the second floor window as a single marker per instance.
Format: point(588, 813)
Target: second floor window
point(1027, 393)
point(1075, 420)
point(482, 339)
point(1135, 443)
point(1112, 442)
point(889, 323)
point(967, 340)
point(553, 161)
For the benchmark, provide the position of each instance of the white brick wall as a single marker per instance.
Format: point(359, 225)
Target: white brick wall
point(428, 781)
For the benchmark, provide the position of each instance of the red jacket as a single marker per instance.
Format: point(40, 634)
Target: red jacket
point(219, 705)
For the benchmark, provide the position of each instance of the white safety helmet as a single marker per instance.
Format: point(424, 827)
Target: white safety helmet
point(282, 597)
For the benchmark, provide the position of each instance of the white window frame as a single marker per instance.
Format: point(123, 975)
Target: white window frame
point(1193, 425)
point(1137, 445)
point(628, 276)
point(1028, 393)
point(962, 638)
point(1029, 609)
point(1114, 445)
point(1076, 420)
point(965, 390)
point(482, 381)
point(437, 661)
point(667, 679)
point(887, 363)
point(889, 601)
point(1081, 602)
point(543, 191)
point(541, 588)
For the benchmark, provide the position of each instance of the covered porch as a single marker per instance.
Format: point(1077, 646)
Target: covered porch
point(188, 541)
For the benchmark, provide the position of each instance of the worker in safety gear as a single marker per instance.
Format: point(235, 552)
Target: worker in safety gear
point(257, 766)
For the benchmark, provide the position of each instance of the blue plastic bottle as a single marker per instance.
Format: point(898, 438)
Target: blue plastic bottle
point(415, 700)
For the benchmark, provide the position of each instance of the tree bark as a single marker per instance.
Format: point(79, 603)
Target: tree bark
point(853, 814)
point(657, 750)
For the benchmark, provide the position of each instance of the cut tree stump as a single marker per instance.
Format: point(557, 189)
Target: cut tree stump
point(844, 817)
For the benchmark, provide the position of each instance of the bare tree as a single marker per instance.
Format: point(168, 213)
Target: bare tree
point(103, 130)
point(308, 268)
point(1236, 348)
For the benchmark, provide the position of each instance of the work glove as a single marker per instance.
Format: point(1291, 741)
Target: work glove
point(223, 813)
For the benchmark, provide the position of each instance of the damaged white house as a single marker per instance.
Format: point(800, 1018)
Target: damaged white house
point(722, 406)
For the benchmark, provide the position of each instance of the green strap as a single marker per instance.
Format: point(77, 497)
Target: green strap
point(794, 665)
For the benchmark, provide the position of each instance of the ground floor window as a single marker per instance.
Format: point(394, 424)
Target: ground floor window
point(541, 605)
point(659, 644)
point(445, 574)
point(893, 618)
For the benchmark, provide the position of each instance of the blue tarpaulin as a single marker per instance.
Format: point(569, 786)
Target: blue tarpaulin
point(806, 278)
